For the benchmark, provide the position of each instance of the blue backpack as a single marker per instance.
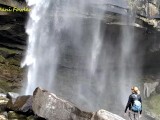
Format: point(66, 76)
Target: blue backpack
point(137, 106)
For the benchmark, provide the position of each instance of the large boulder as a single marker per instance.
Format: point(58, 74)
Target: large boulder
point(105, 115)
point(49, 106)
point(20, 104)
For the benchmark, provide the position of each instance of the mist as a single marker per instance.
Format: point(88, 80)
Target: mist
point(75, 54)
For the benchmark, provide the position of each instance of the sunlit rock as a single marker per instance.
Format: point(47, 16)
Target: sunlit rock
point(105, 115)
point(152, 9)
point(3, 117)
point(49, 106)
point(3, 95)
point(3, 103)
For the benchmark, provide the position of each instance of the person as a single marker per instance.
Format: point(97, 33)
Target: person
point(134, 104)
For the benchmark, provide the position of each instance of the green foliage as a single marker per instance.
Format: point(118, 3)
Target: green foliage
point(11, 61)
point(10, 71)
point(14, 62)
point(9, 51)
point(2, 59)
point(153, 104)
point(5, 86)
point(13, 115)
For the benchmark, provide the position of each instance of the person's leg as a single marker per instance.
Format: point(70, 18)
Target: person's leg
point(136, 116)
point(130, 115)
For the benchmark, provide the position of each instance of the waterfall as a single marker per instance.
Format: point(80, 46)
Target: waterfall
point(75, 54)
point(130, 61)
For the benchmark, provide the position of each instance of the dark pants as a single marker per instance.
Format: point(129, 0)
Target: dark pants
point(133, 115)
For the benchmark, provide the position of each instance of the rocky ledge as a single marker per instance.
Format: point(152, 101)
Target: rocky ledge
point(46, 106)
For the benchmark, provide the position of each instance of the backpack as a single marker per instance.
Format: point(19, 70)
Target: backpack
point(137, 106)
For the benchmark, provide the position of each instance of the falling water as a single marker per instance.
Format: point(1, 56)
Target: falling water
point(73, 53)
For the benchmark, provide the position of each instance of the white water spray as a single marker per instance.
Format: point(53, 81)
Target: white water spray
point(42, 53)
point(71, 52)
point(96, 49)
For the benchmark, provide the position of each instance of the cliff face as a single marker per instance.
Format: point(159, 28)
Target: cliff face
point(12, 25)
point(13, 40)
point(12, 44)
point(13, 37)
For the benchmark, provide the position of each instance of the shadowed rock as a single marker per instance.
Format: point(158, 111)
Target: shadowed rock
point(13, 115)
point(158, 89)
point(12, 95)
point(20, 104)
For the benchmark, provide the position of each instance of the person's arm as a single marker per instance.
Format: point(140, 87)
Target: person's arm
point(140, 99)
point(128, 104)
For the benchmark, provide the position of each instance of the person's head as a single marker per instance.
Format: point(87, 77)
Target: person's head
point(135, 90)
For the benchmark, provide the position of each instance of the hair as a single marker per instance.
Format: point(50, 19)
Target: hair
point(135, 90)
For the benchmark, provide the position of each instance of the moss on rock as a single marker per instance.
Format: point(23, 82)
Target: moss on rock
point(6, 86)
point(9, 51)
point(152, 106)
point(11, 73)
point(14, 115)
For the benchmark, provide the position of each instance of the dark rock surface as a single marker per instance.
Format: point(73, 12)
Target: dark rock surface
point(20, 104)
point(12, 95)
point(158, 89)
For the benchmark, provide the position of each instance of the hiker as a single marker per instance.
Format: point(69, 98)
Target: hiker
point(134, 105)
